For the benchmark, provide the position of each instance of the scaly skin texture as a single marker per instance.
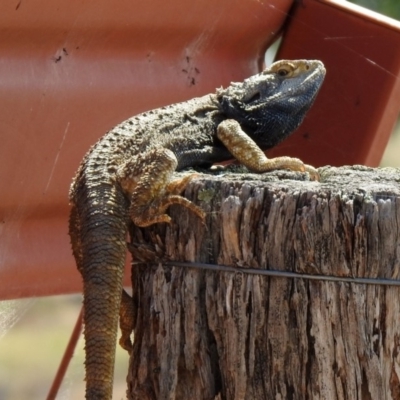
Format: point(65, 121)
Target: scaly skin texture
point(128, 174)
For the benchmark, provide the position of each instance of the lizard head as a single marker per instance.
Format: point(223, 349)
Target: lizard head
point(270, 105)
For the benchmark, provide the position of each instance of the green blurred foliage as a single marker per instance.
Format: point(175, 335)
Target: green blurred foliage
point(391, 8)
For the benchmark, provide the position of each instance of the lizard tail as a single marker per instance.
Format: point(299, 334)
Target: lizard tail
point(98, 232)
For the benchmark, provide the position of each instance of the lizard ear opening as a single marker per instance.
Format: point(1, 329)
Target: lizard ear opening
point(256, 96)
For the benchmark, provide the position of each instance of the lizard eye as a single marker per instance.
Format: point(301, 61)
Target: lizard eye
point(282, 72)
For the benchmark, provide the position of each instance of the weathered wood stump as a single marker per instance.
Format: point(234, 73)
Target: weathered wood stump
point(206, 334)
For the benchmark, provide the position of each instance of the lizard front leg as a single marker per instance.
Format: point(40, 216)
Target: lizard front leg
point(246, 151)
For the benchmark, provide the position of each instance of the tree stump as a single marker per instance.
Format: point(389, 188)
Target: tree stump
point(210, 334)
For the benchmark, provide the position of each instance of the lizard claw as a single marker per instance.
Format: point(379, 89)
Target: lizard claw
point(314, 174)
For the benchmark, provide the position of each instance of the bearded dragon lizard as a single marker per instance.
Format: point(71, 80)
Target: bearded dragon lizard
point(128, 175)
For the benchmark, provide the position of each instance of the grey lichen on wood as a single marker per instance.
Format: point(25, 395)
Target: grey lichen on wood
point(221, 335)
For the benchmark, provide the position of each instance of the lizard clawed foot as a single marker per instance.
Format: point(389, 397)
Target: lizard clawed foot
point(154, 211)
point(178, 185)
point(314, 174)
point(148, 180)
point(127, 316)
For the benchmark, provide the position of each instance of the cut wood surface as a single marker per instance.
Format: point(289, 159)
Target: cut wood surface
point(206, 334)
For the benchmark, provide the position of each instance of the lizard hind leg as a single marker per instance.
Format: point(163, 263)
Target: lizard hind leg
point(127, 318)
point(148, 181)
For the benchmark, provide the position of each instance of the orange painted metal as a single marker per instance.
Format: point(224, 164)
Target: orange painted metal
point(71, 70)
point(359, 103)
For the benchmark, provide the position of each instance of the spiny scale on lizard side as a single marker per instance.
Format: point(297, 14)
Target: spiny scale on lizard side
point(128, 174)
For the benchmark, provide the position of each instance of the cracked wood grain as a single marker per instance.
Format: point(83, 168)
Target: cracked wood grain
point(218, 335)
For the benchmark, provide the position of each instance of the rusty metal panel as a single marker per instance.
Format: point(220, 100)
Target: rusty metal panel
point(71, 70)
point(359, 102)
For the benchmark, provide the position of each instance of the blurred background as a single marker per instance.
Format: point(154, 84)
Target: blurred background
point(391, 8)
point(35, 332)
